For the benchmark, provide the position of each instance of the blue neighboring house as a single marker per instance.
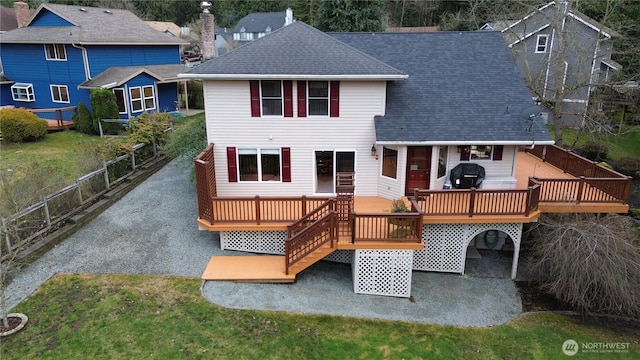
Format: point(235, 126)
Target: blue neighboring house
point(64, 51)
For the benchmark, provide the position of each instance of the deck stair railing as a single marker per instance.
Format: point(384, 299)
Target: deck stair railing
point(310, 234)
point(593, 183)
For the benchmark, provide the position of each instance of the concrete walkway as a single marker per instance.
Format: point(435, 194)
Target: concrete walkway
point(152, 230)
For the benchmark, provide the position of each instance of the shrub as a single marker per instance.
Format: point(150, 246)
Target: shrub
point(628, 166)
point(82, 120)
point(105, 106)
point(21, 125)
point(594, 151)
point(148, 127)
point(187, 140)
point(591, 263)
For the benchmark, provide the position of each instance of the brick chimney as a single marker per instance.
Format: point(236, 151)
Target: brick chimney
point(22, 13)
point(207, 32)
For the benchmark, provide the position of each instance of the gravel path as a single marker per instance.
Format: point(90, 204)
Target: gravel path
point(152, 230)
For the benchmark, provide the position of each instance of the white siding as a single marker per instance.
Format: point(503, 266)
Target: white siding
point(229, 123)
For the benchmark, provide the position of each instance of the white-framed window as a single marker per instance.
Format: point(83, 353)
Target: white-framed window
point(149, 98)
point(142, 98)
point(481, 152)
point(271, 97)
point(59, 93)
point(389, 162)
point(55, 52)
point(22, 92)
point(542, 43)
point(443, 156)
point(318, 99)
point(121, 100)
point(259, 164)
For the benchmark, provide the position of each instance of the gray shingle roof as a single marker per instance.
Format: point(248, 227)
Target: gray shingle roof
point(92, 26)
point(295, 51)
point(258, 22)
point(462, 87)
point(118, 75)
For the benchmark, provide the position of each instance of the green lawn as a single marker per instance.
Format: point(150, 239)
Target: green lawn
point(131, 317)
point(626, 144)
point(64, 152)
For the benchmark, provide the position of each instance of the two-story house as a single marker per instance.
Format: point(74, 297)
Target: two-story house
point(257, 25)
point(561, 51)
point(64, 51)
point(312, 135)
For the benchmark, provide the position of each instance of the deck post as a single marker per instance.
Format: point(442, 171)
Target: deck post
point(580, 189)
point(304, 205)
point(258, 209)
point(472, 201)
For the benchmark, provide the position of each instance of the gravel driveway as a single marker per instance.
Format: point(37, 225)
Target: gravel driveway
point(152, 230)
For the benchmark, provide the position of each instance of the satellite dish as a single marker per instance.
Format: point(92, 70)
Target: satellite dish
point(531, 112)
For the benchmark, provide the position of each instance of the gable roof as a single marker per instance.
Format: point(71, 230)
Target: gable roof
point(165, 26)
point(258, 22)
point(463, 87)
point(118, 75)
point(90, 26)
point(296, 51)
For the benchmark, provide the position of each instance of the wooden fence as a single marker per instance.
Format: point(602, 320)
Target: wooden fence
point(25, 227)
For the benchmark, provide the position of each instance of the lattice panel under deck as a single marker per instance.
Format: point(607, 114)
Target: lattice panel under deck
point(382, 272)
point(341, 256)
point(445, 247)
point(267, 242)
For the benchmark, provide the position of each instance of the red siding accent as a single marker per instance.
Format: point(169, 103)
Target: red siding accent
point(334, 95)
point(464, 153)
point(497, 152)
point(286, 164)
point(302, 99)
point(288, 98)
point(254, 89)
point(232, 167)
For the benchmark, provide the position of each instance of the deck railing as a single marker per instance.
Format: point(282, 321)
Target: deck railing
point(473, 201)
point(311, 232)
point(593, 183)
point(205, 169)
point(388, 227)
point(259, 209)
point(58, 114)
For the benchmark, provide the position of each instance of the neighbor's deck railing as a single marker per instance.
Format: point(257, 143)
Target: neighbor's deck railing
point(59, 114)
point(473, 201)
point(593, 183)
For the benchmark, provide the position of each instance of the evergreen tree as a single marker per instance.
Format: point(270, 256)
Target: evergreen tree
point(350, 15)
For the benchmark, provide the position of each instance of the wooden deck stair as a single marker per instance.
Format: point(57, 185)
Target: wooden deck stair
point(259, 268)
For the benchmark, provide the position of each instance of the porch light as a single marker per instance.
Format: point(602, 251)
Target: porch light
point(373, 150)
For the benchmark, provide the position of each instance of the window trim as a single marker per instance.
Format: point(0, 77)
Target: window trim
point(543, 47)
point(124, 99)
point(445, 150)
point(29, 94)
point(258, 154)
point(58, 56)
point(384, 148)
point(281, 98)
point(53, 87)
point(142, 99)
point(309, 98)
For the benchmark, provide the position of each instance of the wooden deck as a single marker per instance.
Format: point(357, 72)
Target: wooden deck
point(251, 268)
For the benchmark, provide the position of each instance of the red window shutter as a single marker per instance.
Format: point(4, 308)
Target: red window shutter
point(288, 98)
point(464, 153)
point(497, 152)
point(334, 108)
point(302, 99)
point(286, 164)
point(254, 88)
point(232, 166)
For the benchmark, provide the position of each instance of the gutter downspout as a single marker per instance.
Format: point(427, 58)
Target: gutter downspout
point(85, 61)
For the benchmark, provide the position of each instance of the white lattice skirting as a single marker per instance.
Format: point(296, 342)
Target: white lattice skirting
point(382, 272)
point(445, 245)
point(264, 242)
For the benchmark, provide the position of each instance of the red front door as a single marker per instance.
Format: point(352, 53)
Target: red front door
point(418, 166)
